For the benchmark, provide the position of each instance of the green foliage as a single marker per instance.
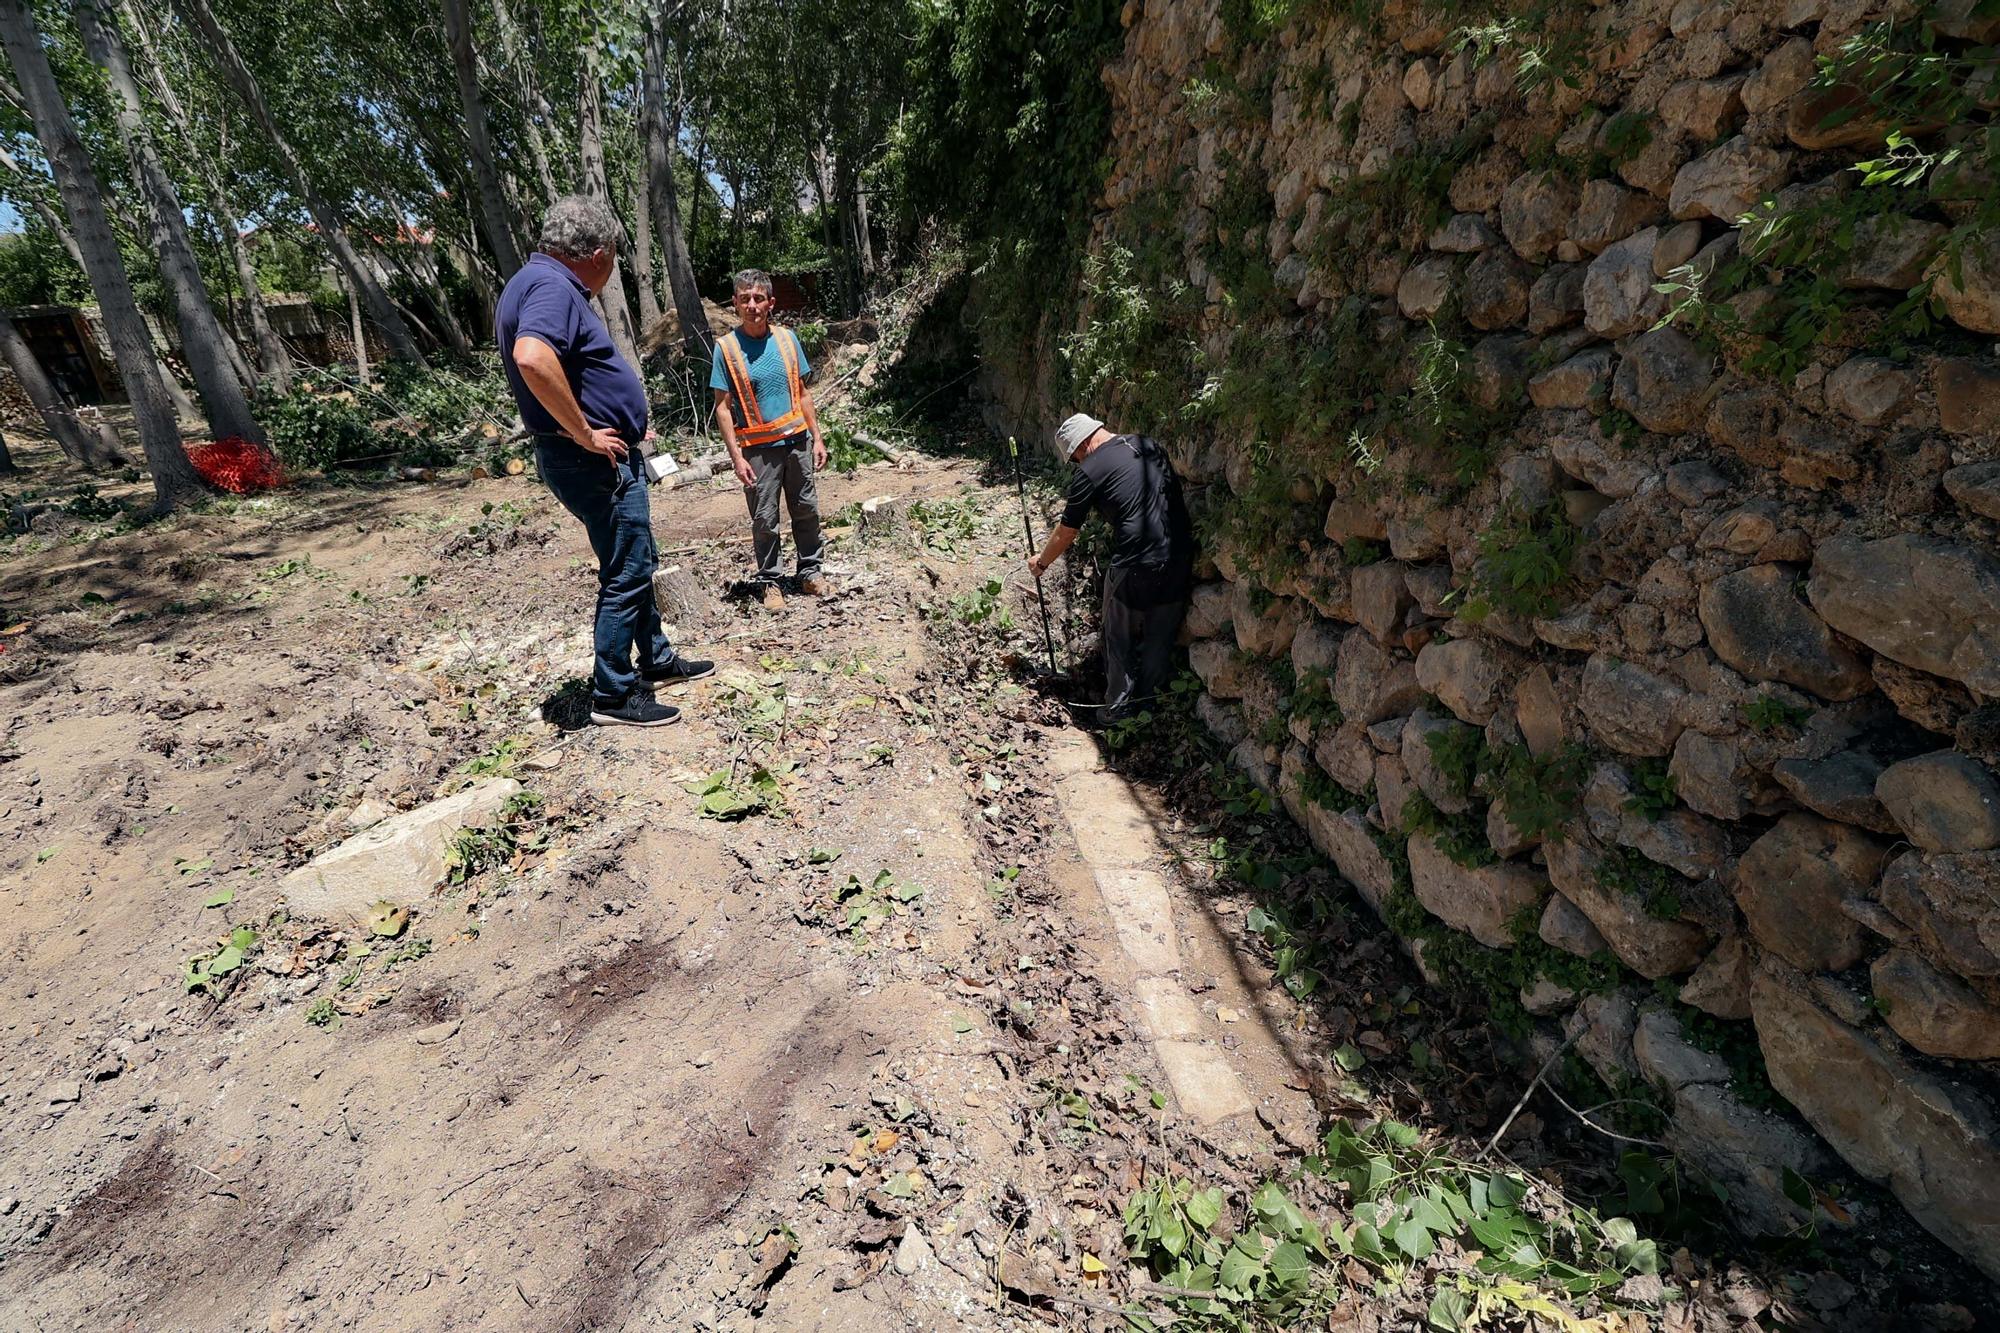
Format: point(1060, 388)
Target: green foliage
point(519, 829)
point(1128, 345)
point(1654, 790)
point(1312, 699)
point(1004, 135)
point(317, 425)
point(1455, 753)
point(1539, 796)
point(447, 400)
point(1767, 714)
point(1622, 138)
point(867, 904)
point(214, 971)
point(1359, 551)
point(1278, 1266)
point(1659, 888)
point(1461, 837)
point(723, 796)
point(986, 604)
point(1524, 563)
point(321, 1013)
point(1317, 786)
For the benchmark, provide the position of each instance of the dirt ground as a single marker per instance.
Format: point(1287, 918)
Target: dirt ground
point(642, 1074)
point(889, 1053)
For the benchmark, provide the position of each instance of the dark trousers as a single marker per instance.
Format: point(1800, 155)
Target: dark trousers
point(784, 469)
point(1139, 633)
point(609, 499)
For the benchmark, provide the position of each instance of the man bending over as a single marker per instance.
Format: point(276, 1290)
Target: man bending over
point(1128, 480)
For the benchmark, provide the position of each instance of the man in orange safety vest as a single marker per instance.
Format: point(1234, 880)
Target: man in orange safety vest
point(768, 423)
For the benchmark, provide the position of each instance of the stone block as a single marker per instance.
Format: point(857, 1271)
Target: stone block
point(1370, 684)
point(1466, 675)
point(1925, 601)
point(1968, 399)
point(1381, 597)
point(1924, 1137)
point(1790, 885)
point(1726, 183)
point(1951, 905)
point(399, 860)
point(1757, 625)
point(1645, 943)
point(1482, 902)
point(1630, 709)
point(1943, 802)
point(1840, 786)
point(1935, 1012)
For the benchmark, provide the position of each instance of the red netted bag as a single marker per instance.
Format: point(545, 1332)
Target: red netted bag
point(236, 465)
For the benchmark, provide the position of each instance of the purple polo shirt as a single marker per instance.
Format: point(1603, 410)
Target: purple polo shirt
point(545, 300)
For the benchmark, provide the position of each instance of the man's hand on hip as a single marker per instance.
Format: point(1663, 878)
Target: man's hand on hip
point(604, 440)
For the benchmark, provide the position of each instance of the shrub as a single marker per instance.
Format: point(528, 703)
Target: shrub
point(313, 427)
point(1524, 561)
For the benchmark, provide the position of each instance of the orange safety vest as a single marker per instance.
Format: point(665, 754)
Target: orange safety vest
point(756, 430)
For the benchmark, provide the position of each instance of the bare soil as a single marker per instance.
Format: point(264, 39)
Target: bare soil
point(638, 1069)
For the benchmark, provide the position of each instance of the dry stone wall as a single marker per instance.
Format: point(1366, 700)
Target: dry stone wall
point(1665, 652)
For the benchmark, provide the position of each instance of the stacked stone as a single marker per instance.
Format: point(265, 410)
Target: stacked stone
point(1826, 545)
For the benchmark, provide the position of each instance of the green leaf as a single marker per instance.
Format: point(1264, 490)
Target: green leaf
point(242, 937)
point(1277, 1212)
point(1290, 1265)
point(899, 1186)
point(1172, 1235)
point(1400, 1134)
point(1240, 1268)
point(960, 1023)
point(907, 893)
point(225, 962)
point(1450, 1308)
point(1414, 1238)
point(820, 856)
point(1204, 1209)
point(1349, 1057)
point(1507, 1189)
point(194, 867)
point(220, 898)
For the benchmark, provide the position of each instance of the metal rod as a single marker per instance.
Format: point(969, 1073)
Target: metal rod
point(1028, 529)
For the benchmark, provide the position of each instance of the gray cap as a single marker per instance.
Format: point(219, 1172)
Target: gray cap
point(1074, 432)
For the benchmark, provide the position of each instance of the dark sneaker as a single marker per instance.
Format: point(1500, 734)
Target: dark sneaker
point(637, 711)
point(679, 671)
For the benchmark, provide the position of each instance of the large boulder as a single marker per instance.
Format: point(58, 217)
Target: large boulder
point(1934, 1011)
point(1791, 883)
point(1933, 1142)
point(1968, 399)
point(1607, 212)
point(1869, 389)
point(1630, 709)
point(1976, 486)
point(1967, 284)
point(1466, 675)
point(1726, 183)
point(1759, 627)
point(1535, 210)
point(1890, 252)
point(1482, 902)
point(1381, 598)
point(1943, 802)
point(1583, 381)
point(399, 860)
point(1346, 755)
point(1647, 944)
point(1951, 905)
point(1370, 684)
point(1664, 380)
point(1840, 786)
point(1425, 287)
point(1264, 624)
point(1495, 291)
point(1225, 672)
point(1721, 985)
point(1925, 601)
point(1209, 610)
point(1618, 295)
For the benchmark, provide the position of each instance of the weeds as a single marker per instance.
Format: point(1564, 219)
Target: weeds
point(1524, 563)
point(1767, 715)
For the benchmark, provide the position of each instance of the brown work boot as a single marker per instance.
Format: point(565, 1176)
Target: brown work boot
point(812, 585)
point(773, 598)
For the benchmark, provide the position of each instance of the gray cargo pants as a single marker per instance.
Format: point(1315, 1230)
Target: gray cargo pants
point(784, 468)
point(1138, 646)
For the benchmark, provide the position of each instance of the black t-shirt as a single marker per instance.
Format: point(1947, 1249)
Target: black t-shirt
point(1129, 481)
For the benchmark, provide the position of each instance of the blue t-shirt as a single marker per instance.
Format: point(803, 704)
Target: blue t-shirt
point(546, 301)
point(766, 365)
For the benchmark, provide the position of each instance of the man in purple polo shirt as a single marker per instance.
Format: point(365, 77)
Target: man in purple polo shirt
point(586, 408)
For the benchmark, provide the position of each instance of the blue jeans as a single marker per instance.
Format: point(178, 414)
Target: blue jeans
point(609, 499)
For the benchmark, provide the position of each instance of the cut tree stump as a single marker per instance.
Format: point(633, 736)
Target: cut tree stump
point(881, 515)
point(682, 601)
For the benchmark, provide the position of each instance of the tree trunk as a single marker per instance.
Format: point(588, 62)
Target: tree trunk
point(272, 357)
point(700, 191)
point(6, 459)
point(492, 199)
point(538, 111)
point(357, 332)
point(206, 346)
point(79, 445)
point(642, 247)
point(617, 314)
point(421, 267)
point(666, 207)
point(331, 229)
point(174, 477)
